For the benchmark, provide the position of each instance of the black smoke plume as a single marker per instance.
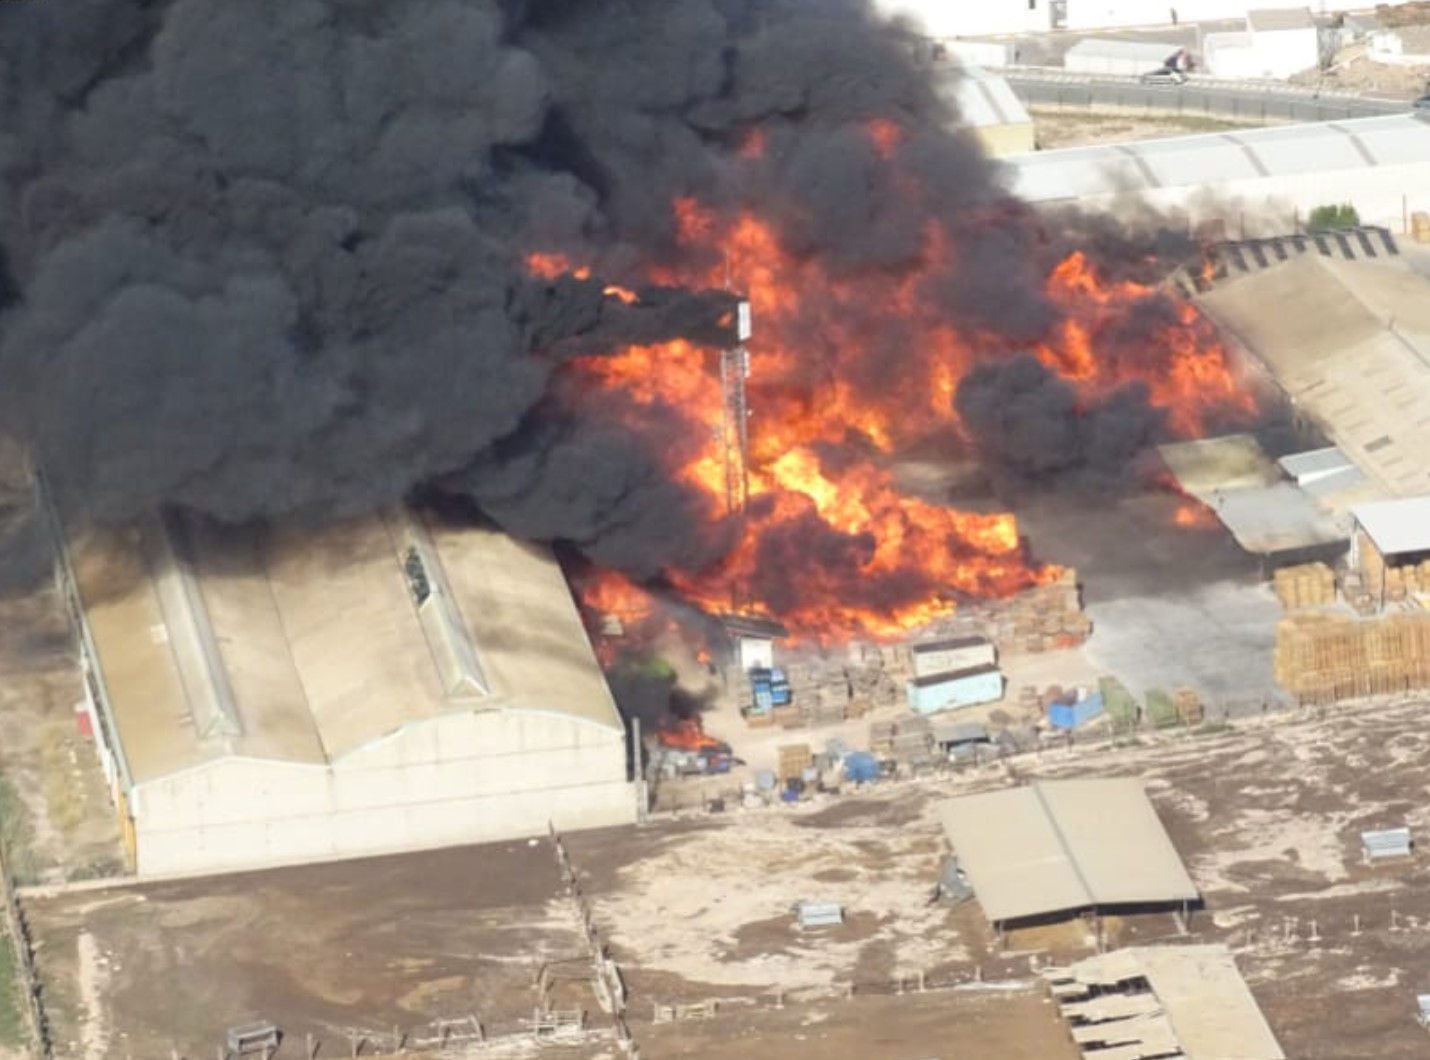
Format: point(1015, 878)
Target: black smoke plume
point(1027, 420)
point(268, 258)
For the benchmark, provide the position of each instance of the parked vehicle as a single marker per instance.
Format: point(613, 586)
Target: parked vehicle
point(1165, 75)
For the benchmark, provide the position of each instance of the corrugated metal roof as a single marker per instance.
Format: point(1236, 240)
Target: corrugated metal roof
point(1279, 518)
point(1062, 845)
point(1203, 1009)
point(1206, 465)
point(316, 636)
point(1186, 161)
point(1349, 342)
point(983, 99)
point(1315, 463)
point(1398, 526)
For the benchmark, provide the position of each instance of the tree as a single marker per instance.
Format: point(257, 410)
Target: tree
point(1333, 216)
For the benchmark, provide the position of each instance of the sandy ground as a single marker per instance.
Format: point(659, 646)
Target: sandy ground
point(63, 825)
point(135, 971)
point(1266, 814)
point(1057, 127)
point(1010, 1024)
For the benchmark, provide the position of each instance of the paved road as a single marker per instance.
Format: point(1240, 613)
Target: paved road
point(1248, 101)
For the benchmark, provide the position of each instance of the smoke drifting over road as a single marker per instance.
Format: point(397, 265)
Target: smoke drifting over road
point(269, 257)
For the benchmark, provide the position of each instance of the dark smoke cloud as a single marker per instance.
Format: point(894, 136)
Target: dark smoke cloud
point(1030, 421)
point(267, 257)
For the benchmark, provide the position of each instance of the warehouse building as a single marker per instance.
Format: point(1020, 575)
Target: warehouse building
point(988, 108)
point(1348, 345)
point(268, 696)
point(942, 19)
point(1065, 847)
point(1262, 181)
point(1274, 44)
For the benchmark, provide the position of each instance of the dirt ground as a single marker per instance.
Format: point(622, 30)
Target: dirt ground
point(368, 945)
point(1266, 814)
point(1010, 1024)
point(1057, 127)
point(55, 812)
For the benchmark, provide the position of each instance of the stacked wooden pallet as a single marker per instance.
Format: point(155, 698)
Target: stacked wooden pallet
point(1306, 585)
point(1409, 580)
point(1188, 706)
point(1321, 657)
point(909, 737)
point(794, 759)
point(1420, 226)
point(1041, 619)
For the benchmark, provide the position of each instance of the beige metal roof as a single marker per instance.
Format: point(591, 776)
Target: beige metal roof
point(1203, 1009)
point(303, 645)
point(1061, 845)
point(1349, 342)
point(1208, 465)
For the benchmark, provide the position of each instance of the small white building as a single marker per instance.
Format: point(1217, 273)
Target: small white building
point(262, 697)
point(1276, 44)
point(945, 19)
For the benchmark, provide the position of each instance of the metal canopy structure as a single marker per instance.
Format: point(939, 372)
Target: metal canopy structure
point(1235, 478)
point(1397, 528)
point(1064, 845)
point(1163, 1001)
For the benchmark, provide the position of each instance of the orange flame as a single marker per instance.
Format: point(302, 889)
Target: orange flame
point(860, 367)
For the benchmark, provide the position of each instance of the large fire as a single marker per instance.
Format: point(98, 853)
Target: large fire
point(844, 372)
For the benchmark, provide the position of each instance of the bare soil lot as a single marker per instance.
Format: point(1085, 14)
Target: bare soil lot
point(1063, 127)
point(1266, 815)
point(368, 945)
point(57, 818)
point(1016, 1024)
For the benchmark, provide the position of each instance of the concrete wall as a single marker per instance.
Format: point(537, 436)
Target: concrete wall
point(1274, 54)
point(461, 778)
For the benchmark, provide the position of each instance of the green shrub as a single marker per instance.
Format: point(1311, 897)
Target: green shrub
point(1333, 216)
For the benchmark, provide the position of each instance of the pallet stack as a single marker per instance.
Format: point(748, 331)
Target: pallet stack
point(1420, 226)
point(1306, 585)
point(908, 738)
point(1041, 619)
point(794, 759)
point(1321, 658)
point(1188, 706)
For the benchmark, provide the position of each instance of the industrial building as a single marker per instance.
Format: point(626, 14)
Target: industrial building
point(989, 109)
point(1275, 44)
point(1162, 1002)
point(264, 696)
point(1267, 513)
point(1348, 346)
point(943, 19)
point(1251, 182)
point(1065, 847)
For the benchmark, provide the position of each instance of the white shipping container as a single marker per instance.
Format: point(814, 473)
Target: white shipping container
point(954, 654)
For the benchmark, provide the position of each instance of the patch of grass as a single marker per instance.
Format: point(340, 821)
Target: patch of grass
point(17, 834)
point(13, 1030)
point(100, 868)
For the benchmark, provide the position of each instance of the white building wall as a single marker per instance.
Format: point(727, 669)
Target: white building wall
point(460, 778)
point(973, 18)
point(961, 18)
